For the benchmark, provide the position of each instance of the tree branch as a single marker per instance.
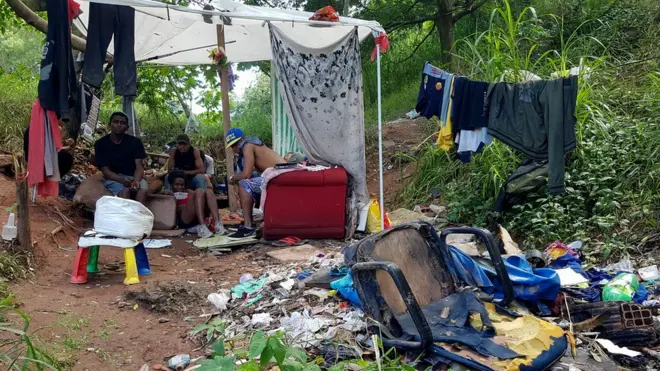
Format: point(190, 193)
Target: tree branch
point(418, 46)
point(469, 10)
point(396, 25)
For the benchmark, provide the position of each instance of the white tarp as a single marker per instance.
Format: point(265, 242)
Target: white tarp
point(172, 31)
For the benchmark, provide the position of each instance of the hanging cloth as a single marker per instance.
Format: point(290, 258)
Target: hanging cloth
point(322, 91)
point(44, 144)
point(58, 89)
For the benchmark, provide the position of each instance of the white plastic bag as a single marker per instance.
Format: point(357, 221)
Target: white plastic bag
point(119, 217)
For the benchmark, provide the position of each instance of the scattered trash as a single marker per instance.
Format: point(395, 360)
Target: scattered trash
point(345, 288)
point(650, 273)
point(335, 353)
point(304, 274)
point(9, 231)
point(288, 284)
point(621, 288)
point(261, 319)
point(412, 114)
point(624, 265)
point(219, 299)
point(156, 244)
point(179, 362)
point(569, 277)
point(614, 349)
point(245, 277)
point(322, 294)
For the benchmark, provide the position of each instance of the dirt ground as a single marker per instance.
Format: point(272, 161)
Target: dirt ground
point(94, 326)
point(401, 141)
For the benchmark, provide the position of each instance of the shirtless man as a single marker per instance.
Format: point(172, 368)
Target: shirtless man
point(252, 157)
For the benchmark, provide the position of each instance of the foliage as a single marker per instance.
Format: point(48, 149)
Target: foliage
point(18, 94)
point(18, 350)
point(212, 330)
point(262, 351)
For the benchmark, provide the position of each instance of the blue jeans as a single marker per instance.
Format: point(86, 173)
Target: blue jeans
point(116, 187)
point(197, 182)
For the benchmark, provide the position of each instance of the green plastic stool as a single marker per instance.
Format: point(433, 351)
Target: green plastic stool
point(93, 260)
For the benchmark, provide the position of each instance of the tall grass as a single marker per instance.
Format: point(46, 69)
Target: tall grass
point(612, 176)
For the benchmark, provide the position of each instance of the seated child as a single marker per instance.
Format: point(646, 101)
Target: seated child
point(191, 206)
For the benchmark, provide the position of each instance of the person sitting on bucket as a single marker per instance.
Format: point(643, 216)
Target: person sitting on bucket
point(191, 206)
point(187, 159)
point(119, 156)
point(252, 157)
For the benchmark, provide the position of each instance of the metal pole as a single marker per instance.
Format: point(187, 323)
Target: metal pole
point(226, 119)
point(380, 141)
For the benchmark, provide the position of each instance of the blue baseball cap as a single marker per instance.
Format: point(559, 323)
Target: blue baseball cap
point(234, 135)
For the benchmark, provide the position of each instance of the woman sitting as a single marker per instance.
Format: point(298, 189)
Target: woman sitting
point(191, 206)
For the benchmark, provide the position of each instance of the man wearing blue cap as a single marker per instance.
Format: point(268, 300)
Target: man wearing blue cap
point(252, 157)
point(119, 157)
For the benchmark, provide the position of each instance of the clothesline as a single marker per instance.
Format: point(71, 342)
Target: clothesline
point(534, 117)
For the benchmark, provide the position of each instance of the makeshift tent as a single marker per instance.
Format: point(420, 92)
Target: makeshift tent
point(175, 35)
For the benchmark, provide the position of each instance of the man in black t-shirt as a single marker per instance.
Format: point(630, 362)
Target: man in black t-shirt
point(119, 156)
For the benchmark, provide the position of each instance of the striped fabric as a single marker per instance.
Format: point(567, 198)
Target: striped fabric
point(284, 137)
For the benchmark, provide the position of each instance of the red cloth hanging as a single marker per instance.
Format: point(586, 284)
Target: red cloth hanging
point(384, 42)
point(74, 10)
point(37, 150)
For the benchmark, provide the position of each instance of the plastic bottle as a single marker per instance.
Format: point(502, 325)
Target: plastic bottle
point(9, 230)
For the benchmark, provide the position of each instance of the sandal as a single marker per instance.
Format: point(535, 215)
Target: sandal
point(288, 242)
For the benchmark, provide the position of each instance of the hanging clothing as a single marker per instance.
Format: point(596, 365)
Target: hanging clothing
point(57, 88)
point(538, 119)
point(431, 92)
point(44, 144)
point(106, 21)
point(434, 100)
point(470, 108)
point(445, 134)
point(323, 97)
point(471, 141)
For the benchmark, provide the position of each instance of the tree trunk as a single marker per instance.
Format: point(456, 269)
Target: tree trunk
point(445, 24)
point(347, 7)
point(23, 211)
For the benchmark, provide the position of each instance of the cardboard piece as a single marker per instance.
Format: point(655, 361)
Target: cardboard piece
point(223, 241)
point(294, 253)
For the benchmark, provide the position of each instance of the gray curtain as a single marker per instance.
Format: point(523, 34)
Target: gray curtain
point(322, 94)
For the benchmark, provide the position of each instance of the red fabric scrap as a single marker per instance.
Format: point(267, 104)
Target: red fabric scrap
point(384, 42)
point(74, 10)
point(37, 149)
point(326, 14)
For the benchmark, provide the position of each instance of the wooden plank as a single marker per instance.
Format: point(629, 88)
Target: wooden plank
point(226, 119)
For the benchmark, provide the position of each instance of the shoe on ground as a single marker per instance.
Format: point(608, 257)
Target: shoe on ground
point(203, 231)
point(243, 232)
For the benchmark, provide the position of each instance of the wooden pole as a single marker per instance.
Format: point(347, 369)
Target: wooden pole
point(22, 205)
point(226, 119)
